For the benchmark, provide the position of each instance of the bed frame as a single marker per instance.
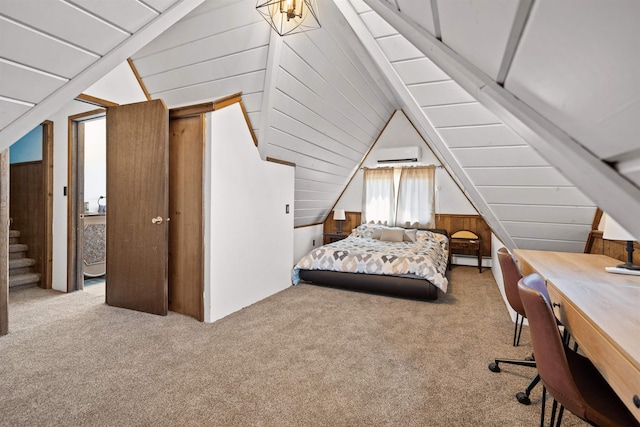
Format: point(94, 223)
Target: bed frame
point(406, 287)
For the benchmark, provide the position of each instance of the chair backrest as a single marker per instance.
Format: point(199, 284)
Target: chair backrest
point(510, 277)
point(551, 359)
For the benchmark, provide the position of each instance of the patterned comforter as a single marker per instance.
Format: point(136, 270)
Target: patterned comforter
point(426, 258)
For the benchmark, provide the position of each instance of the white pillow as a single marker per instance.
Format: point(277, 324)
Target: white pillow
point(392, 234)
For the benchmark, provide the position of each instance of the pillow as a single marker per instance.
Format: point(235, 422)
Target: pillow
point(392, 235)
point(410, 235)
point(377, 233)
point(362, 230)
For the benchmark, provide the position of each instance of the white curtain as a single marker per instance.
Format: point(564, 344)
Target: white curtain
point(416, 198)
point(378, 196)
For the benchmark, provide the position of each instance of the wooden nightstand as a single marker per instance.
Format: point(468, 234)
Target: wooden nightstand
point(334, 237)
point(466, 241)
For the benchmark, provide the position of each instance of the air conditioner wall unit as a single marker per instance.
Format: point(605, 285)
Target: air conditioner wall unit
point(399, 155)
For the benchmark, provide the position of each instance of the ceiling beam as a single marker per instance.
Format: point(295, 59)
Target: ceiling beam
point(52, 103)
point(610, 191)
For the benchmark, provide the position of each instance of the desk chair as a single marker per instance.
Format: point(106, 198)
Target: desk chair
point(571, 379)
point(510, 276)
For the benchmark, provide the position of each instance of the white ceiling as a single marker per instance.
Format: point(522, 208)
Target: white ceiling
point(526, 102)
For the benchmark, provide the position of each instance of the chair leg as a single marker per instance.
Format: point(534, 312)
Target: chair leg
point(515, 329)
point(560, 415)
point(523, 396)
point(495, 365)
point(553, 413)
point(517, 342)
point(544, 401)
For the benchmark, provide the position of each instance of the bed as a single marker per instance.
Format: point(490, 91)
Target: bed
point(388, 260)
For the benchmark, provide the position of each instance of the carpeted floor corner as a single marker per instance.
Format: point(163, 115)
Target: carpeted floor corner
point(307, 356)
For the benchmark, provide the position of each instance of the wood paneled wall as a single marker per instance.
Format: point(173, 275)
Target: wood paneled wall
point(474, 223)
point(353, 219)
point(613, 248)
point(449, 222)
point(27, 207)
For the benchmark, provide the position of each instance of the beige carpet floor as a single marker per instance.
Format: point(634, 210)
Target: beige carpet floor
point(307, 356)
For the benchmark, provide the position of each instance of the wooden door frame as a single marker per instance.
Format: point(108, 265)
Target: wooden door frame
point(46, 278)
point(4, 242)
point(75, 206)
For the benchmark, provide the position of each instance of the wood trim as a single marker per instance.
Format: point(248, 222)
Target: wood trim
point(282, 162)
point(88, 115)
point(73, 206)
point(46, 279)
point(95, 101)
point(228, 100)
point(139, 79)
point(191, 110)
point(308, 225)
point(249, 126)
point(4, 242)
point(205, 107)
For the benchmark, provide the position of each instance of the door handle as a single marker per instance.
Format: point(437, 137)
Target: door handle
point(157, 220)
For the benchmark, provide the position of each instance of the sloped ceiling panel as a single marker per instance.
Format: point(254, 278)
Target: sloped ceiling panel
point(220, 48)
point(327, 109)
point(570, 82)
point(478, 30)
point(50, 51)
point(586, 81)
point(513, 185)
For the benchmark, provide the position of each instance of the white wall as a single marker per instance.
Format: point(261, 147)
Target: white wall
point(400, 133)
point(304, 239)
point(249, 234)
point(95, 162)
point(497, 273)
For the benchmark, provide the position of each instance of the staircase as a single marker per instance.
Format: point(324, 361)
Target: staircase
point(21, 268)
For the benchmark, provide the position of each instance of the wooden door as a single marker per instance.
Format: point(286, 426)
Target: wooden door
point(186, 229)
point(137, 206)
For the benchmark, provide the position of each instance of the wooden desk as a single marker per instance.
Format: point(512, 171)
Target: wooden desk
point(600, 309)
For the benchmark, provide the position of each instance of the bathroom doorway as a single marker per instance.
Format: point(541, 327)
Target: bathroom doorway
point(87, 201)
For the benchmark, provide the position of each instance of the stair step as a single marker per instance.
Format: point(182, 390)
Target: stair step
point(18, 247)
point(21, 262)
point(17, 250)
point(14, 233)
point(24, 279)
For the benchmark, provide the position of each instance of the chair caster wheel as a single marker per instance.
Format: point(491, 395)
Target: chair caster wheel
point(493, 367)
point(523, 398)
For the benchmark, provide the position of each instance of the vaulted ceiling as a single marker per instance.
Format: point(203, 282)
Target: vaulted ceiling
point(531, 105)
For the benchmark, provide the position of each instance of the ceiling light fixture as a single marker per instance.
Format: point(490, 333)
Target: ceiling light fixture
point(289, 16)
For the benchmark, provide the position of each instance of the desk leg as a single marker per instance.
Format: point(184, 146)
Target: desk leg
point(480, 260)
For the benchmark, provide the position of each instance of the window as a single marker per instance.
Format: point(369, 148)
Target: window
point(378, 196)
point(414, 207)
point(416, 198)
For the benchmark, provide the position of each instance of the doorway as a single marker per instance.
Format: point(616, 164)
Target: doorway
point(185, 246)
point(86, 252)
point(45, 219)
